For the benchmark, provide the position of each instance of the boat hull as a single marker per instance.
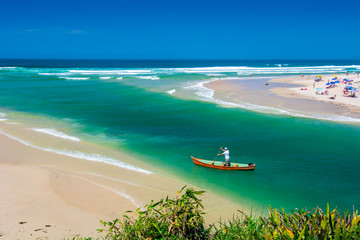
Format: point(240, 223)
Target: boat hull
point(204, 163)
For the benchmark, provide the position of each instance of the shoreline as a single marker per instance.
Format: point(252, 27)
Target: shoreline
point(283, 95)
point(71, 195)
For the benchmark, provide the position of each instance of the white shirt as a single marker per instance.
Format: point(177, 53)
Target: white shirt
point(226, 154)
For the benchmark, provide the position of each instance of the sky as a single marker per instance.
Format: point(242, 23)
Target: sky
point(180, 29)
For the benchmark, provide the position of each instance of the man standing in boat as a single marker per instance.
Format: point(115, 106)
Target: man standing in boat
point(226, 154)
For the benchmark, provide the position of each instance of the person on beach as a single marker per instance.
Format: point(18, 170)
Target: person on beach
point(226, 154)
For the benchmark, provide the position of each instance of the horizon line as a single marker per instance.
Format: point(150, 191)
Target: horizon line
point(185, 59)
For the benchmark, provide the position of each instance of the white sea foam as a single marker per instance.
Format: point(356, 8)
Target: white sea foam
point(152, 74)
point(8, 67)
point(55, 74)
point(112, 72)
point(207, 94)
point(280, 69)
point(81, 155)
point(119, 78)
point(171, 92)
point(203, 92)
point(55, 133)
point(149, 77)
point(76, 78)
point(105, 77)
point(2, 117)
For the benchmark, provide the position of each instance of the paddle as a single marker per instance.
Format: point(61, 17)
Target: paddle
point(218, 153)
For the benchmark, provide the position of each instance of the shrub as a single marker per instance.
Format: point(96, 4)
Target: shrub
point(300, 224)
point(182, 218)
point(169, 219)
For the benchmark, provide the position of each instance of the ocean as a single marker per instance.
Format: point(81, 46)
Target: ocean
point(160, 112)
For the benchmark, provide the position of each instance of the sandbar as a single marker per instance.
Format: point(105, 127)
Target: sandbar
point(286, 93)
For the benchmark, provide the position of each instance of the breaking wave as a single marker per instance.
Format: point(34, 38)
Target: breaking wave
point(171, 92)
point(55, 133)
point(76, 78)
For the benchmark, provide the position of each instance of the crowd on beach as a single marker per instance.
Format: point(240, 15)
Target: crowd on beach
point(349, 90)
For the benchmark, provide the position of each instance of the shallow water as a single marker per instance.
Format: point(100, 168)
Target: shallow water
point(300, 163)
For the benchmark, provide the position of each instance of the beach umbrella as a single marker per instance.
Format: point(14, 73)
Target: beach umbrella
point(354, 90)
point(332, 82)
point(337, 81)
point(328, 84)
point(319, 88)
point(334, 79)
point(345, 79)
point(348, 87)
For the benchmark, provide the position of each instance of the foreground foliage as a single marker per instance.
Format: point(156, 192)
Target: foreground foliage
point(182, 218)
point(169, 219)
point(300, 224)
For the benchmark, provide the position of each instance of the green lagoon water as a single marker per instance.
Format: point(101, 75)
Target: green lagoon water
point(300, 162)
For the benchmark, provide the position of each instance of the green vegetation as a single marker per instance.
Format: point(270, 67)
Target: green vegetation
point(182, 218)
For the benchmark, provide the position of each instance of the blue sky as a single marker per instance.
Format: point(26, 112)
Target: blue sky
point(180, 29)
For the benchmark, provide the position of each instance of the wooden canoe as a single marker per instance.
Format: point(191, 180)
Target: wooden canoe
point(219, 165)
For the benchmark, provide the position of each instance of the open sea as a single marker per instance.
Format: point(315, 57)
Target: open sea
point(160, 112)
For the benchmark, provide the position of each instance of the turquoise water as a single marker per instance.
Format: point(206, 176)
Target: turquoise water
point(300, 162)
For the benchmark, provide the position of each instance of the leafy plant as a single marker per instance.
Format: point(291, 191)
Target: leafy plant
point(182, 218)
point(179, 218)
point(300, 224)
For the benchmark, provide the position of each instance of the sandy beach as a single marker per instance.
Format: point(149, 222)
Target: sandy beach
point(294, 93)
point(48, 195)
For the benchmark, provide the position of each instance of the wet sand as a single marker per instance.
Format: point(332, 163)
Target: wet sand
point(58, 196)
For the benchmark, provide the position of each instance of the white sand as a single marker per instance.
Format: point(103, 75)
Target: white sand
point(310, 93)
